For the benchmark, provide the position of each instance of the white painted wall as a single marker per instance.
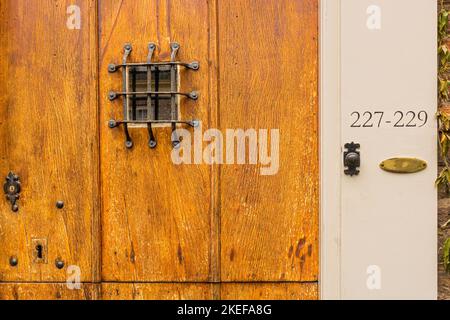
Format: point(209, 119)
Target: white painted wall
point(379, 229)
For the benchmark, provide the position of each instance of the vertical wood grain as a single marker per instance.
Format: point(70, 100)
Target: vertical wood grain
point(213, 94)
point(48, 291)
point(156, 215)
point(269, 80)
point(206, 225)
point(4, 66)
point(157, 291)
point(49, 135)
point(269, 291)
point(206, 291)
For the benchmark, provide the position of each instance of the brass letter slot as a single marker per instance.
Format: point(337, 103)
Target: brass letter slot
point(403, 165)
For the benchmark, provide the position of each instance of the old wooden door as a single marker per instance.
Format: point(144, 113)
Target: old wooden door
point(48, 139)
point(137, 224)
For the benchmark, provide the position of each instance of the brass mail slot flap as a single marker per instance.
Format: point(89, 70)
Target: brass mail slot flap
point(403, 165)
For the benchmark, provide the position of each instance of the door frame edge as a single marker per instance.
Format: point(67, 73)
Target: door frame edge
point(330, 150)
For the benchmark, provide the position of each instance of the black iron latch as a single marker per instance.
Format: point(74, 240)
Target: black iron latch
point(144, 107)
point(352, 159)
point(12, 190)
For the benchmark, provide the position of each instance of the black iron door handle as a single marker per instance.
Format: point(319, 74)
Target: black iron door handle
point(352, 159)
point(12, 190)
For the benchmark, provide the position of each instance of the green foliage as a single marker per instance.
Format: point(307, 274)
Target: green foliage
point(444, 122)
point(444, 134)
point(446, 250)
point(443, 180)
point(443, 23)
point(444, 55)
point(443, 88)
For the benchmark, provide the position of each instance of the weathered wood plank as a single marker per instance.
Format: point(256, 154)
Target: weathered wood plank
point(47, 291)
point(49, 138)
point(156, 215)
point(269, 291)
point(269, 80)
point(157, 291)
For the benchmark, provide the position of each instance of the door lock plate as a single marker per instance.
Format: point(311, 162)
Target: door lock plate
point(352, 159)
point(39, 251)
point(12, 189)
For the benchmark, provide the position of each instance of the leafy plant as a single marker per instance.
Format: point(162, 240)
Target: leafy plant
point(447, 255)
point(443, 115)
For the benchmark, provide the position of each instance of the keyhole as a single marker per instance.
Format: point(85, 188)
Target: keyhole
point(39, 250)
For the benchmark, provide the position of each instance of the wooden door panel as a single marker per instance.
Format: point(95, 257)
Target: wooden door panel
point(157, 291)
point(269, 291)
point(48, 137)
point(265, 80)
point(268, 62)
point(48, 291)
point(209, 291)
point(207, 226)
point(156, 215)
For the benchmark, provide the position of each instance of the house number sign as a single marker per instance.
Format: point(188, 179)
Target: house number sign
point(395, 119)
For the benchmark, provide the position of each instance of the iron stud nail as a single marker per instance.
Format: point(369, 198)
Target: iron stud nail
point(112, 68)
point(129, 144)
point(13, 261)
point(60, 204)
point(195, 65)
point(112, 95)
point(112, 124)
point(193, 95)
point(59, 264)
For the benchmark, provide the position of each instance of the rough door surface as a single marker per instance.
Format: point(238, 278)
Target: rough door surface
point(268, 80)
point(156, 215)
point(152, 291)
point(269, 291)
point(48, 137)
point(160, 221)
point(167, 231)
point(48, 291)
